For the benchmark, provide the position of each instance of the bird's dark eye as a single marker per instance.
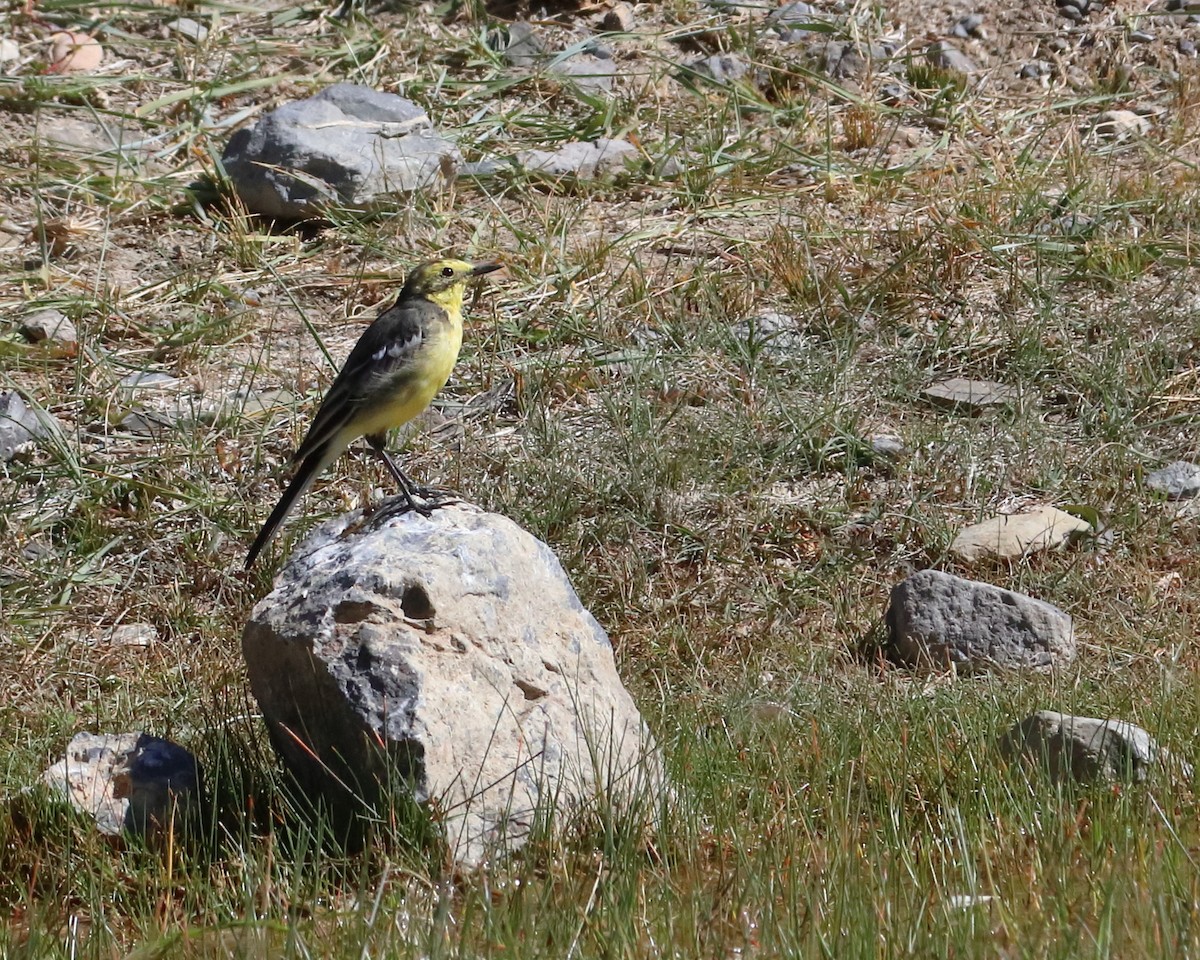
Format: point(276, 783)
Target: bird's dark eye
point(447, 271)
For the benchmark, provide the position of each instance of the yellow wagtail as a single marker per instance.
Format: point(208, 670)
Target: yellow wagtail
point(399, 363)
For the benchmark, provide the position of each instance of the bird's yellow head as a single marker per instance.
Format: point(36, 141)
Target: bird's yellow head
point(442, 281)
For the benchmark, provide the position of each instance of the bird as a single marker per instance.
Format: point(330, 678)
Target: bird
point(393, 373)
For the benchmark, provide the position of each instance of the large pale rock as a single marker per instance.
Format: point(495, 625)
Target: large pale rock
point(449, 653)
point(1017, 534)
point(937, 620)
point(127, 782)
point(348, 146)
point(1084, 748)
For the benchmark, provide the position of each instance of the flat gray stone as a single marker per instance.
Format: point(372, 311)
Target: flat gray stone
point(936, 620)
point(48, 324)
point(971, 394)
point(20, 426)
point(349, 146)
point(448, 655)
point(719, 67)
point(1018, 534)
point(1178, 481)
point(588, 72)
point(946, 56)
point(524, 46)
point(127, 782)
point(188, 29)
point(579, 159)
point(1068, 747)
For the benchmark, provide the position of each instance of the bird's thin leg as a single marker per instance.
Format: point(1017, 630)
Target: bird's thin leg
point(406, 486)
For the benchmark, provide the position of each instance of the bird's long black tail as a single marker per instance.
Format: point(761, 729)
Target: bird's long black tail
point(309, 468)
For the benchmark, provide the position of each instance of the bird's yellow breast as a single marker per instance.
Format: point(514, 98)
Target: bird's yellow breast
point(417, 382)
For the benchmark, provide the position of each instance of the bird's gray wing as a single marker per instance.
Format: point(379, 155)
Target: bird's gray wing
point(382, 352)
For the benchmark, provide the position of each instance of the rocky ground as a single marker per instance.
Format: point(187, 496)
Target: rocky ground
point(845, 280)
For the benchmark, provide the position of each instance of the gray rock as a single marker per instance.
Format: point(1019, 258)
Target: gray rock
point(845, 60)
point(1178, 481)
point(1035, 70)
point(20, 426)
point(1067, 747)
point(619, 19)
point(1141, 36)
point(49, 324)
point(9, 50)
point(946, 56)
point(887, 445)
point(450, 653)
point(1117, 125)
point(148, 423)
point(936, 620)
point(578, 159)
point(524, 46)
point(146, 380)
point(719, 67)
point(775, 334)
point(1018, 534)
point(969, 26)
point(188, 29)
point(1186, 47)
point(587, 71)
point(128, 782)
point(971, 394)
point(797, 20)
point(348, 146)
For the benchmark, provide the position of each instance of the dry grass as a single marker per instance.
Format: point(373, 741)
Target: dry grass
point(706, 477)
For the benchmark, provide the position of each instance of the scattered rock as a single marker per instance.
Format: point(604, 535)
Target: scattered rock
point(1082, 748)
point(773, 333)
point(1036, 70)
point(845, 60)
point(20, 426)
point(970, 26)
point(936, 620)
point(524, 46)
point(148, 423)
point(456, 643)
point(10, 50)
point(1178, 481)
point(127, 782)
point(146, 380)
point(972, 395)
point(619, 19)
point(719, 67)
point(579, 159)
point(1069, 225)
point(1018, 534)
point(1118, 125)
point(188, 29)
point(798, 21)
point(589, 72)
point(74, 53)
point(48, 324)
point(1074, 10)
point(887, 445)
point(349, 146)
point(946, 56)
point(1140, 36)
point(1186, 47)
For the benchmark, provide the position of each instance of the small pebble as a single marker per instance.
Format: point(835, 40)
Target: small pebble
point(1141, 36)
point(1187, 47)
point(74, 53)
point(619, 19)
point(969, 26)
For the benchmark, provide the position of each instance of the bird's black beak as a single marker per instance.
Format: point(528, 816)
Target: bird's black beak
point(479, 269)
